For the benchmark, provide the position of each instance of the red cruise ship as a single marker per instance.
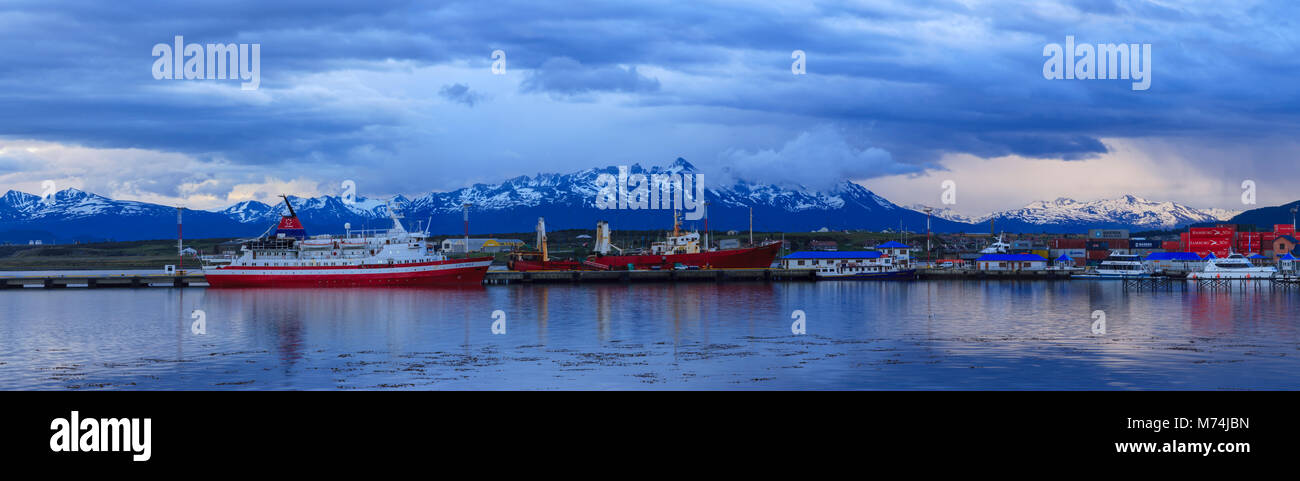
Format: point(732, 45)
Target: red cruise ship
point(392, 257)
point(681, 249)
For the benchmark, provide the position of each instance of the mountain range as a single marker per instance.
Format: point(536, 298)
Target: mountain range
point(1069, 215)
point(567, 201)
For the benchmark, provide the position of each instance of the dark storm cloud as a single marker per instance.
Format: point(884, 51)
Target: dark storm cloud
point(460, 93)
point(915, 79)
point(565, 76)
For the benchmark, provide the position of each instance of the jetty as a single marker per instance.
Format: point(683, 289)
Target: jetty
point(1023, 274)
point(665, 275)
point(56, 281)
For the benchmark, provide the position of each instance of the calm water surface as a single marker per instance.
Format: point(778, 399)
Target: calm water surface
point(860, 335)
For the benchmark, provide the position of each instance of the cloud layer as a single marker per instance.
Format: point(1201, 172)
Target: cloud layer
point(401, 97)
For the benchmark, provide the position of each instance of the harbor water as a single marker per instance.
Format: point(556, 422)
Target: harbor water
point(969, 335)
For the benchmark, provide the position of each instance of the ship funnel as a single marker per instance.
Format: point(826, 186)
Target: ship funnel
point(290, 226)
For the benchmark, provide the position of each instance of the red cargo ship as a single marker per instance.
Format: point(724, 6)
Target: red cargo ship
point(392, 257)
point(680, 249)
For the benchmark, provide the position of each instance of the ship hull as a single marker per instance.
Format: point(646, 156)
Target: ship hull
point(750, 258)
point(523, 265)
point(449, 272)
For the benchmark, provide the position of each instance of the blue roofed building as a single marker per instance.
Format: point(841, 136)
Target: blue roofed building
point(1010, 262)
point(902, 253)
point(1173, 261)
point(816, 259)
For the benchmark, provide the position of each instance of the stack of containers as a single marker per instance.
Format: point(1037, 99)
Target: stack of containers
point(1143, 247)
point(1249, 243)
point(1074, 248)
point(1211, 240)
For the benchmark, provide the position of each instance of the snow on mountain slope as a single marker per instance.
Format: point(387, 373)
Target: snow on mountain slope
point(1127, 210)
point(568, 201)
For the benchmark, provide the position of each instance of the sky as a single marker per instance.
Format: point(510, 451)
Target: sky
point(402, 98)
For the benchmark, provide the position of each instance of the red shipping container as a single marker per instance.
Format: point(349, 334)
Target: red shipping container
point(1171, 245)
point(1098, 255)
point(1209, 244)
point(1267, 238)
point(1198, 232)
point(1069, 243)
point(1286, 229)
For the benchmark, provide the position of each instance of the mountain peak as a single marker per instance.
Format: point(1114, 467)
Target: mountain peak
point(682, 164)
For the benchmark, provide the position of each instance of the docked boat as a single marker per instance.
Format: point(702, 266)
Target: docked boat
point(865, 272)
point(391, 257)
point(1118, 266)
point(680, 250)
point(1235, 266)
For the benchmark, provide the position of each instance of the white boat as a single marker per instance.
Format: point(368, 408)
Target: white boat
point(865, 272)
point(1235, 266)
point(386, 257)
point(998, 247)
point(1118, 266)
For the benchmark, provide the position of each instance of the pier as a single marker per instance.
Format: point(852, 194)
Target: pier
point(196, 279)
point(57, 281)
point(1025, 274)
point(668, 275)
point(1172, 282)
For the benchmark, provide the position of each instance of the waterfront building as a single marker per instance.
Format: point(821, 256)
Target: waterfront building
point(816, 259)
point(1282, 245)
point(1010, 262)
point(457, 244)
point(902, 253)
point(1173, 261)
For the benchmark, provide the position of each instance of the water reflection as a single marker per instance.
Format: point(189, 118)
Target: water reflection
point(873, 335)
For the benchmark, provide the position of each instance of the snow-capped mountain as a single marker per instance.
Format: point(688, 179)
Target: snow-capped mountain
point(567, 201)
point(1069, 215)
point(72, 214)
point(946, 213)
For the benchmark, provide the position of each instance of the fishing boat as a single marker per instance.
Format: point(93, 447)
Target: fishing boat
point(287, 257)
point(540, 258)
point(1234, 266)
point(679, 250)
point(1118, 266)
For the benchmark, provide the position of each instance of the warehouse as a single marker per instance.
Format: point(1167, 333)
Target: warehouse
point(815, 259)
point(1010, 262)
point(481, 245)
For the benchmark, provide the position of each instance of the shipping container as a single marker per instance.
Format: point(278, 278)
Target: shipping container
point(1201, 232)
point(1097, 255)
point(1284, 229)
point(1072, 253)
point(1069, 243)
point(1143, 244)
point(1095, 245)
point(1171, 246)
point(1108, 234)
point(1198, 245)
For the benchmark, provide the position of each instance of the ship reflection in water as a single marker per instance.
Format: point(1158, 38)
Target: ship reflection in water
point(860, 335)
